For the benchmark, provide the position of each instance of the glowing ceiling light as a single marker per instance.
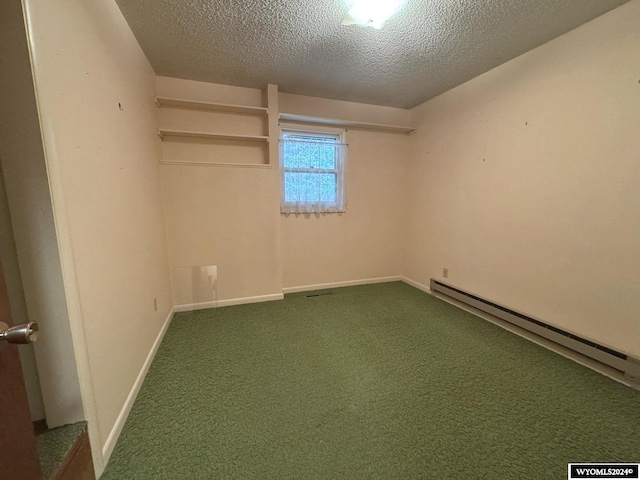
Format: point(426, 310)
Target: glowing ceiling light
point(372, 13)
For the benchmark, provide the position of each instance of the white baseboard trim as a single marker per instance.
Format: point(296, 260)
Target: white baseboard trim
point(348, 283)
point(107, 449)
point(227, 303)
point(190, 307)
point(417, 285)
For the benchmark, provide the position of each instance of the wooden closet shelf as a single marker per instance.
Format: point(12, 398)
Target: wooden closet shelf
point(212, 136)
point(212, 106)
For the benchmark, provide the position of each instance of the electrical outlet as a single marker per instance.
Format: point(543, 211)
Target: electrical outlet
point(155, 304)
point(445, 273)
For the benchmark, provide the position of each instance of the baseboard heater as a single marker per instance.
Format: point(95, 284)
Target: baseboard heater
point(627, 365)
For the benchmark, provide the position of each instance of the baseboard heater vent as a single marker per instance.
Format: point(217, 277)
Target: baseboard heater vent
point(629, 366)
point(319, 294)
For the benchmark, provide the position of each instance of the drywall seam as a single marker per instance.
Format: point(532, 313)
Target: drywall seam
point(128, 404)
point(189, 307)
point(347, 283)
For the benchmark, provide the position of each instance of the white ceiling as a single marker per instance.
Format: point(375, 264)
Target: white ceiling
point(427, 49)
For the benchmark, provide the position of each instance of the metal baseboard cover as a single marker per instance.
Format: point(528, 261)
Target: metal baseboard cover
point(628, 365)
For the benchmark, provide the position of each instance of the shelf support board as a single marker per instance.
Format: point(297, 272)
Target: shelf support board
point(290, 117)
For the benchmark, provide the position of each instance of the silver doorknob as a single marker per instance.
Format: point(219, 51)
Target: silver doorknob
point(25, 333)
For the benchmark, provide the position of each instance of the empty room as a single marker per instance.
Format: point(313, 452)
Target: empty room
point(319, 239)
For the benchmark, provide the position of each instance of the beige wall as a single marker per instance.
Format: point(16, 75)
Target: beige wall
point(96, 97)
point(524, 183)
point(225, 216)
point(229, 216)
point(366, 241)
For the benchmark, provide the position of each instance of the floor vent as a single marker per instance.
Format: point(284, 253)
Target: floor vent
point(629, 366)
point(319, 294)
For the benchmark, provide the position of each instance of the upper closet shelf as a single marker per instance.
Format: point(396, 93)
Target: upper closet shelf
point(290, 117)
point(212, 136)
point(217, 107)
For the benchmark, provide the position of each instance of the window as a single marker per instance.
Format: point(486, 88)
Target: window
point(312, 170)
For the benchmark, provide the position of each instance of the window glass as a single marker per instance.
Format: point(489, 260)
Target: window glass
point(309, 152)
point(311, 187)
point(312, 172)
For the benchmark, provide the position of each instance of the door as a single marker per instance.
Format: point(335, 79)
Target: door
point(18, 453)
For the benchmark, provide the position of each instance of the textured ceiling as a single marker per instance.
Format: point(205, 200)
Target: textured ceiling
point(428, 48)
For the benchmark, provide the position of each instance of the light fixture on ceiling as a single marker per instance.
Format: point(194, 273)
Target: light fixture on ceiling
point(372, 13)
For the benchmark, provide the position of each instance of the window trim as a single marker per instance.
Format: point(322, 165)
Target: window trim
point(339, 171)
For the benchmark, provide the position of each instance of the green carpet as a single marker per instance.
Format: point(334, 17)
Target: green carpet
point(379, 381)
point(54, 444)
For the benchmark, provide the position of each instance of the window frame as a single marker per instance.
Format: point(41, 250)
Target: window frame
point(340, 165)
